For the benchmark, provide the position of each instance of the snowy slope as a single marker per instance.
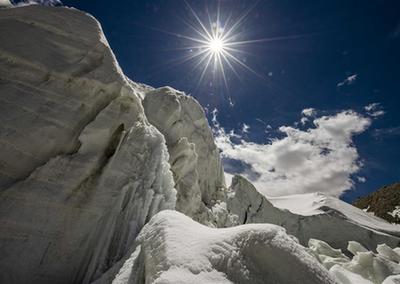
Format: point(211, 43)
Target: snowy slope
point(172, 248)
point(311, 216)
point(318, 203)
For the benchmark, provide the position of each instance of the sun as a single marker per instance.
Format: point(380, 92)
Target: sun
point(216, 45)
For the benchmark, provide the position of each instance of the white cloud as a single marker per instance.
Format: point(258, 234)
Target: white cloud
point(374, 109)
point(309, 112)
point(304, 120)
point(377, 113)
point(322, 158)
point(371, 107)
point(245, 128)
point(361, 179)
point(348, 81)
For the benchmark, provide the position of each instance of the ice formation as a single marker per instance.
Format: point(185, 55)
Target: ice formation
point(81, 169)
point(311, 216)
point(194, 157)
point(365, 267)
point(90, 160)
point(175, 249)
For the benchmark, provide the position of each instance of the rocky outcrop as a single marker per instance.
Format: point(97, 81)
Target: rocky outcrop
point(334, 221)
point(384, 203)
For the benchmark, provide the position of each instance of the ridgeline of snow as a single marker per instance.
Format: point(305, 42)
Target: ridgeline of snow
point(311, 216)
point(89, 157)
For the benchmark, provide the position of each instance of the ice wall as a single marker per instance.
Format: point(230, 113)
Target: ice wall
point(194, 157)
point(81, 169)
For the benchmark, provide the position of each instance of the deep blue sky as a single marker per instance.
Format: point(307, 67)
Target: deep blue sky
point(336, 39)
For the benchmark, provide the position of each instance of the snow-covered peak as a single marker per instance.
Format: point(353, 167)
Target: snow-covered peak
point(319, 203)
point(311, 216)
point(303, 204)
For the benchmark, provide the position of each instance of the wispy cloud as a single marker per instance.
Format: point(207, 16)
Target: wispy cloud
point(309, 112)
point(381, 132)
point(374, 109)
point(361, 179)
point(322, 158)
point(245, 128)
point(348, 81)
point(396, 32)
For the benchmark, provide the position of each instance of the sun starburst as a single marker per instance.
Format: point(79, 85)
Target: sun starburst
point(216, 45)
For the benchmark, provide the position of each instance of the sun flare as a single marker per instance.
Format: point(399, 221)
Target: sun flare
point(216, 45)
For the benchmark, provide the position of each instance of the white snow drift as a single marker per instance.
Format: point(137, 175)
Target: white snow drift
point(172, 248)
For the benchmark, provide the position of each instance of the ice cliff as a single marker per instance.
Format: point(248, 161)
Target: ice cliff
point(81, 169)
point(89, 159)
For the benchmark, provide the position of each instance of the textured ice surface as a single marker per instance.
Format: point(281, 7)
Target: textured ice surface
point(363, 267)
point(81, 169)
point(175, 249)
point(194, 157)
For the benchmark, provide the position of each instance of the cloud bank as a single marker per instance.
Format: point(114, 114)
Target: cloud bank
point(319, 159)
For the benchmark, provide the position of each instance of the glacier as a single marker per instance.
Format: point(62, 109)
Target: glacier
point(105, 180)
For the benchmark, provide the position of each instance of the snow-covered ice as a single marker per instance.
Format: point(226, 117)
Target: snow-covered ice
point(311, 216)
point(175, 249)
point(363, 267)
point(81, 169)
point(194, 157)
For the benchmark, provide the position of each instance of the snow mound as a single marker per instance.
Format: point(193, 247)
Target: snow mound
point(172, 248)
